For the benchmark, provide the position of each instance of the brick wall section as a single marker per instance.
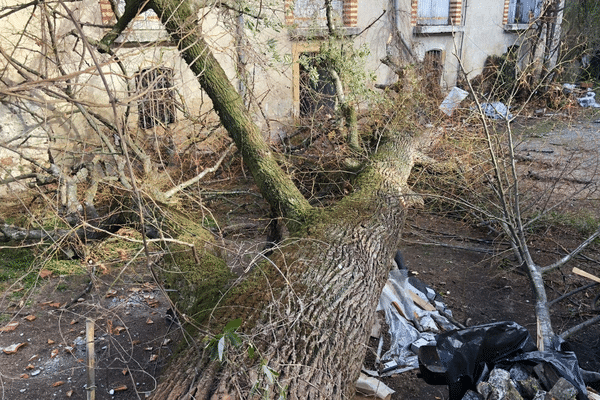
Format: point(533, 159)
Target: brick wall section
point(350, 12)
point(414, 7)
point(107, 14)
point(289, 12)
point(505, 14)
point(456, 12)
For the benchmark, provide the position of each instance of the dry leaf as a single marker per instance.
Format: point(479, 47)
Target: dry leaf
point(45, 303)
point(136, 342)
point(53, 353)
point(80, 360)
point(149, 321)
point(124, 372)
point(148, 348)
point(122, 254)
point(10, 326)
point(166, 342)
point(120, 388)
point(73, 322)
point(55, 305)
point(118, 329)
point(45, 273)
point(12, 349)
point(24, 376)
point(28, 367)
point(153, 357)
point(69, 393)
point(111, 293)
point(69, 349)
point(58, 383)
point(135, 289)
point(50, 341)
point(30, 317)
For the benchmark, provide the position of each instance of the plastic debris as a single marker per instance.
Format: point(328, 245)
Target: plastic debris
point(463, 358)
point(452, 100)
point(410, 326)
point(496, 110)
point(589, 100)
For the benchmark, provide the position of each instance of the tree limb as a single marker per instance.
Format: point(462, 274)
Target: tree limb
point(169, 193)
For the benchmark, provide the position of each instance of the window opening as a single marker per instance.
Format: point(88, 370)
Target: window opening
point(522, 11)
point(317, 89)
point(156, 105)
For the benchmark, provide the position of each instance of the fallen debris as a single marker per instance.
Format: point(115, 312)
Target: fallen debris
point(589, 100)
point(11, 326)
point(496, 110)
point(452, 100)
point(370, 386)
point(13, 348)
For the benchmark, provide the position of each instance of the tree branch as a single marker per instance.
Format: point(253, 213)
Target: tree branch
point(168, 194)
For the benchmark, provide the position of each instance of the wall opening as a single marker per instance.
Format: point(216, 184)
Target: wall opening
point(316, 86)
point(433, 68)
point(156, 105)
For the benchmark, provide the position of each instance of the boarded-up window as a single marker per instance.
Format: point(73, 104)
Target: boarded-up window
point(156, 105)
point(522, 11)
point(433, 12)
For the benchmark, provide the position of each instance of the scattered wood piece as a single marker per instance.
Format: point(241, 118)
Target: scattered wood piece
point(397, 307)
point(425, 305)
point(11, 326)
point(373, 387)
point(580, 272)
point(120, 388)
point(13, 348)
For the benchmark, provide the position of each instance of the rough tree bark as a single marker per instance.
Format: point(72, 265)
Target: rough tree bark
point(312, 321)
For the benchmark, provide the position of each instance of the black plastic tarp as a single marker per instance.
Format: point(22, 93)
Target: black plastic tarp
point(461, 357)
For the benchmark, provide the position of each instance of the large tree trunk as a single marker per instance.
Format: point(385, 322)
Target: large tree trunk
point(311, 319)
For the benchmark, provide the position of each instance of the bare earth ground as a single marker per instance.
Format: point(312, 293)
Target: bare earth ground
point(468, 265)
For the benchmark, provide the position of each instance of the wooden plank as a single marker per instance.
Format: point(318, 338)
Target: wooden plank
point(580, 272)
point(425, 305)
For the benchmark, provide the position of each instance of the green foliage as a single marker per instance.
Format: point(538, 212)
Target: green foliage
point(15, 263)
point(218, 344)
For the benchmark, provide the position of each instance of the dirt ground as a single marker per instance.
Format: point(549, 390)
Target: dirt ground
point(469, 265)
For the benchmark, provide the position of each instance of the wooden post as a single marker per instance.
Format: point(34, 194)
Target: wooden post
point(91, 359)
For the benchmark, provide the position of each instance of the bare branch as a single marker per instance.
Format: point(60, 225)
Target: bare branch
point(168, 194)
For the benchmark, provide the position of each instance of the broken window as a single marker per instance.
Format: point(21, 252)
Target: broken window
point(433, 12)
point(156, 104)
point(523, 11)
point(317, 89)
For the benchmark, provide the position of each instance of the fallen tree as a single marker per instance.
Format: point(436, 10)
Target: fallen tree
point(311, 317)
